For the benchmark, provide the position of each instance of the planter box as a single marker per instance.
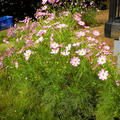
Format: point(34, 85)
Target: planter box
point(6, 22)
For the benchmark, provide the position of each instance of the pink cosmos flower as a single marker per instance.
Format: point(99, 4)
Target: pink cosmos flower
point(51, 1)
point(68, 47)
point(103, 74)
point(81, 52)
point(81, 23)
point(41, 32)
point(48, 26)
point(106, 47)
point(77, 17)
point(27, 54)
point(66, 13)
point(77, 44)
point(61, 26)
point(55, 51)
point(51, 37)
point(117, 83)
point(16, 64)
point(96, 33)
point(44, 1)
point(75, 61)
point(1, 65)
point(80, 34)
point(65, 53)
point(54, 45)
point(39, 40)
point(101, 60)
point(44, 7)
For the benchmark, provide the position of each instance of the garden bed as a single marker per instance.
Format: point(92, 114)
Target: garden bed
point(57, 68)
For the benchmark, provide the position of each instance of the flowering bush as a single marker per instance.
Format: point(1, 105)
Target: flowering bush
point(54, 72)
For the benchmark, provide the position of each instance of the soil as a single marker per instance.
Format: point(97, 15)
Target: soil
point(101, 18)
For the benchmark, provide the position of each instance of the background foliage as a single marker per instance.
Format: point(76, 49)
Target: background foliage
point(19, 9)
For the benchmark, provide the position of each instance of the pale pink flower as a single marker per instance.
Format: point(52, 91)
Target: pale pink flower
point(101, 60)
point(81, 52)
point(54, 45)
point(51, 1)
point(106, 47)
point(16, 64)
point(96, 33)
point(87, 31)
point(41, 32)
point(81, 23)
point(55, 51)
point(48, 26)
point(44, 1)
point(1, 65)
point(80, 34)
point(44, 7)
point(51, 37)
point(61, 26)
point(68, 47)
point(87, 27)
point(27, 54)
point(78, 44)
point(117, 83)
point(39, 40)
point(103, 74)
point(75, 61)
point(65, 53)
point(66, 13)
point(77, 17)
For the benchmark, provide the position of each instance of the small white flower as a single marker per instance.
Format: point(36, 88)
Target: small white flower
point(81, 52)
point(96, 33)
point(61, 26)
point(39, 40)
point(44, 1)
point(103, 74)
point(101, 60)
point(55, 51)
point(68, 47)
point(81, 23)
point(54, 45)
point(65, 53)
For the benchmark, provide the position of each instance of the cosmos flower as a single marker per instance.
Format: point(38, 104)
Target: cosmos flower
point(39, 40)
point(61, 26)
point(27, 54)
point(65, 53)
point(80, 34)
point(68, 47)
point(16, 64)
point(103, 74)
point(41, 32)
point(96, 33)
point(101, 60)
point(55, 51)
point(75, 61)
point(54, 45)
point(77, 17)
point(81, 52)
point(1, 65)
point(81, 23)
point(44, 1)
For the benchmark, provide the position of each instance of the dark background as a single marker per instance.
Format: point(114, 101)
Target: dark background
point(19, 9)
